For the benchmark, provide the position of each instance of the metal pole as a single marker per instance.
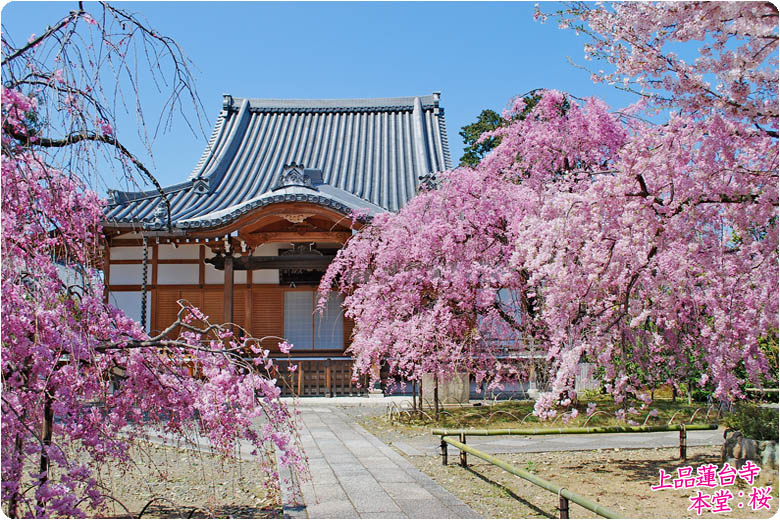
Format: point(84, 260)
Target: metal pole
point(463, 461)
point(683, 443)
point(443, 452)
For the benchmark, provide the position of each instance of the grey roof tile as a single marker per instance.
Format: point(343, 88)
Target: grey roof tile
point(371, 153)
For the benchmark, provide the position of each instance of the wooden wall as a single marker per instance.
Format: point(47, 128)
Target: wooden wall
point(257, 307)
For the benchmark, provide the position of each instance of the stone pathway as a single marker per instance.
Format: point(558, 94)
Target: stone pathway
point(355, 475)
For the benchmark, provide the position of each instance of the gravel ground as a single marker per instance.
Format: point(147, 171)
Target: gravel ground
point(187, 482)
point(617, 479)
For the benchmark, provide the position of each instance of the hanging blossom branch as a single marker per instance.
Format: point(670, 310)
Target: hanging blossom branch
point(649, 249)
point(184, 319)
point(65, 68)
point(45, 142)
point(64, 348)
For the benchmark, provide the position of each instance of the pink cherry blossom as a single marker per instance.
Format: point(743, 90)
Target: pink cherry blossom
point(69, 359)
point(649, 249)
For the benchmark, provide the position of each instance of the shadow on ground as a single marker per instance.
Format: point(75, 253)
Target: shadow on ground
point(170, 511)
point(511, 493)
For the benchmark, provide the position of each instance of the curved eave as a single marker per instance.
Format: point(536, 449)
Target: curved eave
point(340, 201)
point(342, 204)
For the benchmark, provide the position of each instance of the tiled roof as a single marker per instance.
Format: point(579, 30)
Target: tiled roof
point(370, 152)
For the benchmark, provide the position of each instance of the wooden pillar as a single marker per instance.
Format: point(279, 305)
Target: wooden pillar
point(202, 266)
point(328, 379)
point(229, 288)
point(248, 304)
point(463, 460)
point(563, 506)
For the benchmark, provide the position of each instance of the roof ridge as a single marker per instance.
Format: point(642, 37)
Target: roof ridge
point(405, 102)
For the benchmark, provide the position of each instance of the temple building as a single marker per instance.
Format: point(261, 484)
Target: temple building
point(247, 237)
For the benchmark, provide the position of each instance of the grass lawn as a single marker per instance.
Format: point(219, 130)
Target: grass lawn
point(519, 414)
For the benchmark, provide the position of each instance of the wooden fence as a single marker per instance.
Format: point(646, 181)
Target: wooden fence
point(318, 377)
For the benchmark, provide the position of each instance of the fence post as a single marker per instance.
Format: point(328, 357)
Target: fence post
point(563, 505)
point(443, 452)
point(328, 378)
point(683, 443)
point(463, 453)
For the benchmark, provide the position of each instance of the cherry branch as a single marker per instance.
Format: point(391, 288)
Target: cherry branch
point(39, 39)
point(75, 138)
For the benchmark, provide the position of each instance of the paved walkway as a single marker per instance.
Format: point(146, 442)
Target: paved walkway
point(355, 475)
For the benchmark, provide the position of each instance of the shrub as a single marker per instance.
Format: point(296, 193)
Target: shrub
point(755, 422)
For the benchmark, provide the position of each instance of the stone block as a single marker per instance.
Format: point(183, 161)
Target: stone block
point(451, 391)
point(348, 469)
point(421, 508)
point(442, 494)
point(367, 495)
point(402, 490)
point(337, 456)
point(376, 503)
point(768, 455)
point(749, 449)
point(464, 511)
point(730, 440)
point(329, 493)
point(408, 449)
point(332, 509)
point(383, 475)
point(377, 461)
point(737, 449)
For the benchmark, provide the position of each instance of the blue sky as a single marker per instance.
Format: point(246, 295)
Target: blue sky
point(478, 54)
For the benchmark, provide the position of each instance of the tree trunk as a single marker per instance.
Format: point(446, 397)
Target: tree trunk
point(674, 394)
point(46, 434)
point(420, 396)
point(414, 396)
point(436, 396)
point(13, 502)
